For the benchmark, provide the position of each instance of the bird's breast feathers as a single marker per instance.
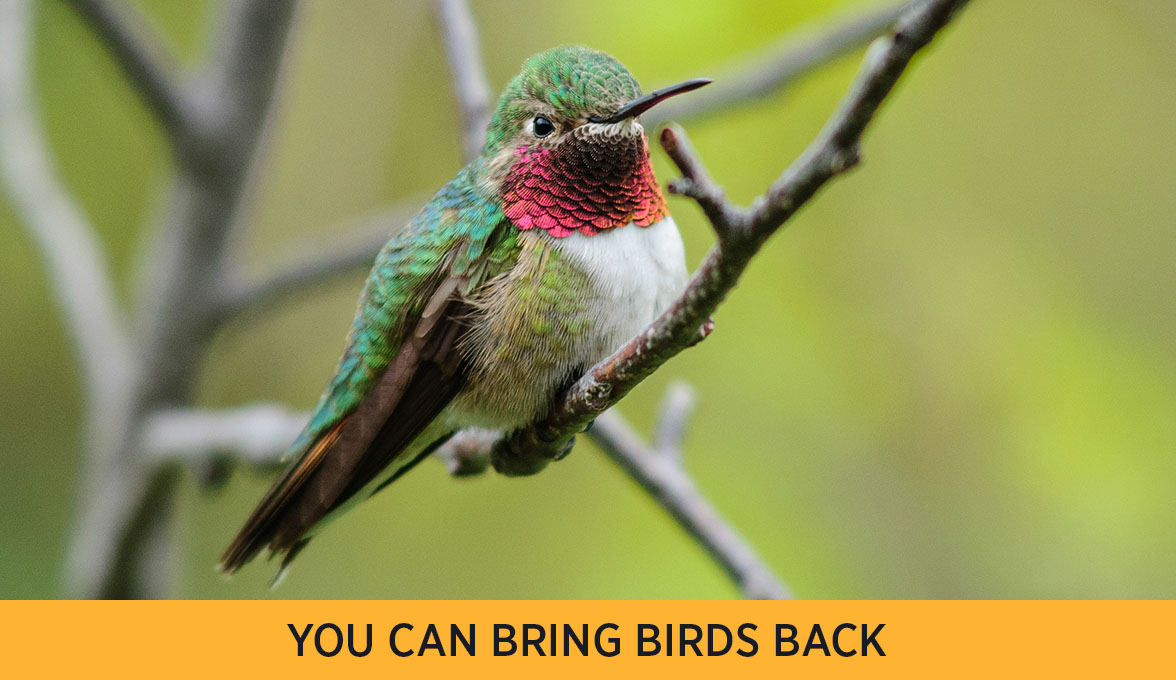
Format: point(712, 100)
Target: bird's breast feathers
point(567, 303)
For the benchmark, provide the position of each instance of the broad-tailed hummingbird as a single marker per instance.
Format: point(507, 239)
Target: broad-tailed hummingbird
point(540, 258)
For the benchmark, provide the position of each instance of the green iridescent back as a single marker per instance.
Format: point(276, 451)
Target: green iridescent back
point(461, 223)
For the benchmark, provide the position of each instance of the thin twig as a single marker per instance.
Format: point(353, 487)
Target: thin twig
point(674, 415)
point(260, 435)
point(471, 90)
point(149, 67)
point(366, 236)
point(769, 71)
point(665, 479)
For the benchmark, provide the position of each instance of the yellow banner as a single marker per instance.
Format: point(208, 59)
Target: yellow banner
point(512, 639)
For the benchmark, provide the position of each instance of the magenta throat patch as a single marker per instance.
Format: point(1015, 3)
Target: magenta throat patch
point(587, 185)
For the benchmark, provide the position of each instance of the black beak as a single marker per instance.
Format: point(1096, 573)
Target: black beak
point(648, 101)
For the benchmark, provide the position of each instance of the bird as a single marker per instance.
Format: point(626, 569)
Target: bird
point(541, 257)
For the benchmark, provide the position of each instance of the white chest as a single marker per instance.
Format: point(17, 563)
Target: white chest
point(637, 271)
point(551, 318)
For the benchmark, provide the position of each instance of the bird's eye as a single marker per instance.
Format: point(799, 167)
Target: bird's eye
point(542, 126)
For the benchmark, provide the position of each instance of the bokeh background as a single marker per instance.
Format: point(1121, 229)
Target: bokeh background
point(953, 375)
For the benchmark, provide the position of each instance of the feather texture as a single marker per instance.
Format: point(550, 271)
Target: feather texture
point(401, 368)
point(536, 261)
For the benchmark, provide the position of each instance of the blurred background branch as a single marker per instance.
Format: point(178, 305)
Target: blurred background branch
point(142, 428)
point(122, 535)
point(145, 62)
point(768, 71)
point(471, 90)
point(64, 237)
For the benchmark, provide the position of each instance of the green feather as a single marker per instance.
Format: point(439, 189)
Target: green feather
point(575, 81)
point(460, 232)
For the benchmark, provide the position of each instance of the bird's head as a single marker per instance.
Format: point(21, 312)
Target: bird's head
point(565, 148)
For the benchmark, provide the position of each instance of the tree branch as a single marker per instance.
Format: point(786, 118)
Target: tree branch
point(768, 71)
point(149, 67)
point(674, 415)
point(741, 233)
point(81, 281)
point(366, 236)
point(470, 87)
point(660, 472)
point(260, 435)
point(64, 237)
point(122, 536)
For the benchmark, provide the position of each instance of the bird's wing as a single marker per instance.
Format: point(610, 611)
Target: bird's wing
point(402, 366)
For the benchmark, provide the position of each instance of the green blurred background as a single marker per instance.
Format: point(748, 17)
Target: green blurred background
point(952, 376)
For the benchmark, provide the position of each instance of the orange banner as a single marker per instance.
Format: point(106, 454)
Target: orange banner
point(586, 639)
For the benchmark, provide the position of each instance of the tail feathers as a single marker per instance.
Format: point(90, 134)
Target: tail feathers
point(287, 558)
point(344, 459)
point(263, 528)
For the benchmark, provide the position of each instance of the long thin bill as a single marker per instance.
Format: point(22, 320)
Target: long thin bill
point(647, 101)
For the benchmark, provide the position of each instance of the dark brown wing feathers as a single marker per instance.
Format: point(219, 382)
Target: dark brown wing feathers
point(421, 379)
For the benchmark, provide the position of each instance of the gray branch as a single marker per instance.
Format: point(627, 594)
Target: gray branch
point(660, 472)
point(64, 237)
point(470, 87)
point(78, 271)
point(122, 535)
point(673, 417)
point(149, 67)
point(367, 235)
point(777, 67)
point(260, 435)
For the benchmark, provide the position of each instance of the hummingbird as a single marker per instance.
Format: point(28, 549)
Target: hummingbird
point(539, 259)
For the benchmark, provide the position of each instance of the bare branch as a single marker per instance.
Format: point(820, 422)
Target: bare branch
point(665, 479)
point(245, 65)
point(122, 532)
point(142, 57)
point(467, 453)
point(470, 87)
point(776, 68)
point(83, 286)
point(528, 450)
point(673, 416)
point(258, 434)
point(64, 237)
point(696, 183)
point(368, 235)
